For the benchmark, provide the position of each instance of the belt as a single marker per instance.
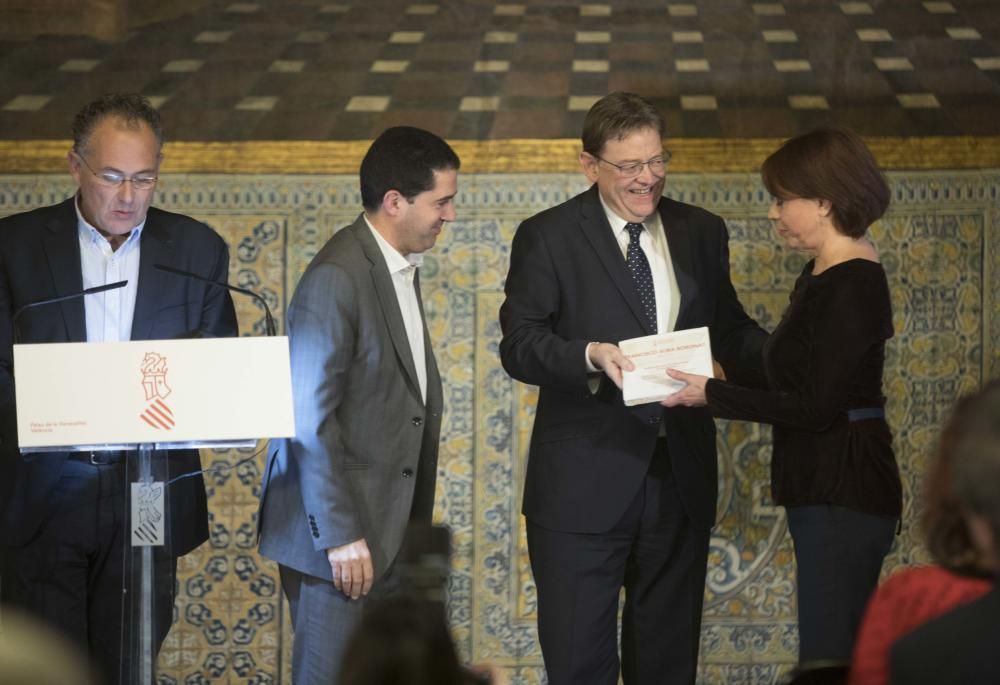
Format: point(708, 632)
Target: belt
point(108, 458)
point(865, 413)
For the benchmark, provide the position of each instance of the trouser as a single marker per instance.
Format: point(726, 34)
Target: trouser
point(658, 556)
point(71, 573)
point(323, 619)
point(838, 554)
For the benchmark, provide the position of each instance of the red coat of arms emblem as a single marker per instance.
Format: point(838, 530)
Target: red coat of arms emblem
point(154, 383)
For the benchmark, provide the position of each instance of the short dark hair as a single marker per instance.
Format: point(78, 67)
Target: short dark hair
point(944, 527)
point(830, 163)
point(404, 159)
point(132, 108)
point(401, 641)
point(615, 116)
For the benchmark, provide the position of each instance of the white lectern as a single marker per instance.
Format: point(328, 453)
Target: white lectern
point(148, 397)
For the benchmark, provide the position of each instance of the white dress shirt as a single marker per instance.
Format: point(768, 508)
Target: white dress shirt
point(108, 314)
point(402, 270)
point(653, 241)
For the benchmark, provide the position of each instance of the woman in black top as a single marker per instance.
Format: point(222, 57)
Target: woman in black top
point(832, 465)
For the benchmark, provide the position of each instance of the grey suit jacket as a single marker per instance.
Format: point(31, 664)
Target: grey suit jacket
point(364, 457)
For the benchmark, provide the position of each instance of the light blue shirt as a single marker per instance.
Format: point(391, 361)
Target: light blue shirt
point(108, 314)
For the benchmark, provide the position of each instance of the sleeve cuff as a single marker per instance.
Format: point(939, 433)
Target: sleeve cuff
point(586, 358)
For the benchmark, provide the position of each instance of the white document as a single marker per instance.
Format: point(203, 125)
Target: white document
point(689, 351)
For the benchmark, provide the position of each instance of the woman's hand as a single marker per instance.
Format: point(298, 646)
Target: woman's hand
point(691, 395)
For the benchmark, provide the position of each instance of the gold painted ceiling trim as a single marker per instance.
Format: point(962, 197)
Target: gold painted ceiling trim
point(500, 156)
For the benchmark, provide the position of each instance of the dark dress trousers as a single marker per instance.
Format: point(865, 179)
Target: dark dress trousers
point(40, 258)
point(592, 477)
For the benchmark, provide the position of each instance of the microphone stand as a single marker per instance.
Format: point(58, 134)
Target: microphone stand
point(60, 298)
point(269, 326)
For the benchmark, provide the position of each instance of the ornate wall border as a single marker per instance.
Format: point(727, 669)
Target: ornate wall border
point(500, 156)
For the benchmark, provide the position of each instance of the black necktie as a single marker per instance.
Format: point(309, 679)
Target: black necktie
point(637, 263)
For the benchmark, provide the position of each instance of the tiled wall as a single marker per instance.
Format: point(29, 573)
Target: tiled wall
point(941, 247)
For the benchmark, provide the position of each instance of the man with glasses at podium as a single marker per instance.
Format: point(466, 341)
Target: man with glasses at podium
point(62, 514)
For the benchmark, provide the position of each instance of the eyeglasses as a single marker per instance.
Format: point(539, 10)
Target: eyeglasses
point(656, 165)
point(114, 179)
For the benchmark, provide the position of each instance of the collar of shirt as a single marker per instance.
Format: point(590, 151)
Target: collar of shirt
point(654, 243)
point(394, 261)
point(89, 234)
point(652, 224)
point(401, 271)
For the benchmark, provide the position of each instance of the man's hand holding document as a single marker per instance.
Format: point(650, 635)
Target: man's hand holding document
point(689, 351)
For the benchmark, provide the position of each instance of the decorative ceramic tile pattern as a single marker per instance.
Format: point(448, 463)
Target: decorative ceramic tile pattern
point(183, 65)
point(699, 102)
point(682, 10)
point(79, 65)
point(964, 33)
point(27, 103)
point(940, 245)
point(808, 102)
point(768, 9)
point(987, 62)
point(260, 103)
point(213, 36)
point(792, 65)
point(286, 66)
point(918, 100)
point(537, 57)
point(780, 36)
point(893, 64)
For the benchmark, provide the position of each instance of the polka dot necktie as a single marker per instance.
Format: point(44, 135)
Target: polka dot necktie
point(637, 263)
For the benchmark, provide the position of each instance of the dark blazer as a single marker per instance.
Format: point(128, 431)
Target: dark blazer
point(568, 285)
point(961, 647)
point(40, 258)
point(363, 460)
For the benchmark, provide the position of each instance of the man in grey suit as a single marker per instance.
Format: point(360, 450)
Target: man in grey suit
point(337, 497)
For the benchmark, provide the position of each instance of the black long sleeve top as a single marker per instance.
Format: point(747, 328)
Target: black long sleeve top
point(826, 357)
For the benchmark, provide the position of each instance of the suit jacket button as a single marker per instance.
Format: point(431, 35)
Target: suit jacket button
point(407, 473)
point(416, 421)
point(654, 419)
point(315, 533)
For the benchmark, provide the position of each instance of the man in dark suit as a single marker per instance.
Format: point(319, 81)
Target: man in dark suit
point(338, 496)
point(63, 520)
point(618, 496)
point(963, 646)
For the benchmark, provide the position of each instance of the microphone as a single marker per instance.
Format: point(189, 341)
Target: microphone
point(60, 298)
point(268, 319)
